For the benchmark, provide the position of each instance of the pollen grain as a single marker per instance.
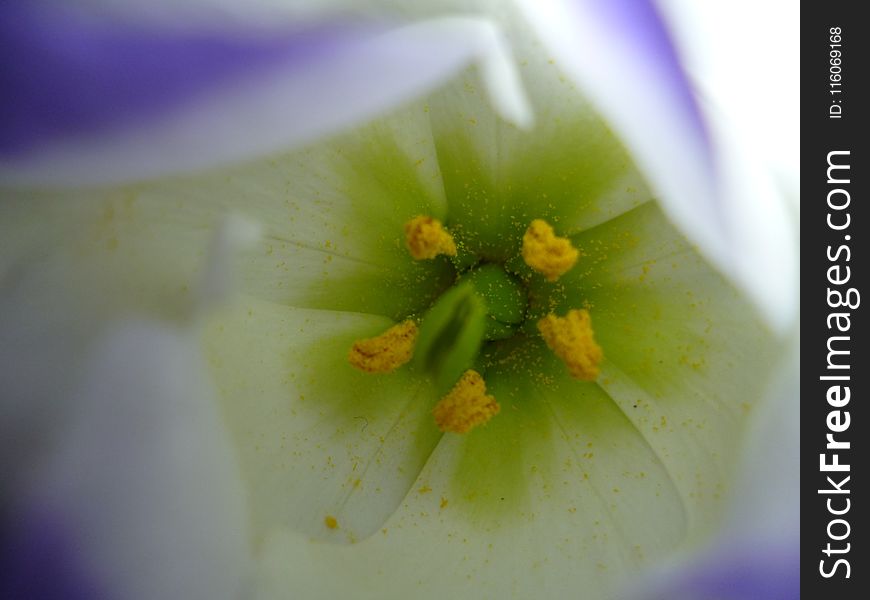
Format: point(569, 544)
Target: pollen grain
point(426, 238)
point(571, 338)
point(466, 406)
point(386, 352)
point(545, 252)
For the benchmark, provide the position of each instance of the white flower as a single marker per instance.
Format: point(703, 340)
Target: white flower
point(113, 230)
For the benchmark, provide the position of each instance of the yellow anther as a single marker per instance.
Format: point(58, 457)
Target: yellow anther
point(571, 339)
point(427, 238)
point(331, 522)
point(387, 352)
point(546, 253)
point(466, 406)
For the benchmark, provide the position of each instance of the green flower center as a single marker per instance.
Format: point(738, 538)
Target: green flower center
point(505, 296)
point(488, 303)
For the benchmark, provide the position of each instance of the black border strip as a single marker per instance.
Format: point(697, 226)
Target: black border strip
point(834, 264)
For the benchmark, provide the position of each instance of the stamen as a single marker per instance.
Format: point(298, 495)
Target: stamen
point(386, 352)
point(466, 406)
point(571, 339)
point(546, 253)
point(426, 238)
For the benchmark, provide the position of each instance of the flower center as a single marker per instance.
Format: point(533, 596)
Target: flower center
point(488, 303)
point(505, 297)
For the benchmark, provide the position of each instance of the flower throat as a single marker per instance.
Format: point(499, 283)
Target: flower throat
point(488, 302)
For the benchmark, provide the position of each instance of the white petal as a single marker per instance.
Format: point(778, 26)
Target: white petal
point(551, 497)
point(574, 486)
point(725, 72)
point(766, 499)
point(316, 437)
point(614, 54)
point(676, 338)
point(569, 168)
point(234, 234)
point(758, 149)
point(706, 184)
point(143, 475)
point(755, 552)
point(64, 281)
point(331, 221)
point(764, 227)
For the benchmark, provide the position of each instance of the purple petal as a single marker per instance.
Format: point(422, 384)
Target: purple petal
point(746, 572)
point(750, 575)
point(190, 101)
point(640, 23)
point(39, 558)
point(66, 73)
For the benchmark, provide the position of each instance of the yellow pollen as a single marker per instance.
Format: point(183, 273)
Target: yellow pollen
point(427, 238)
point(571, 339)
point(466, 406)
point(546, 253)
point(387, 352)
point(331, 522)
